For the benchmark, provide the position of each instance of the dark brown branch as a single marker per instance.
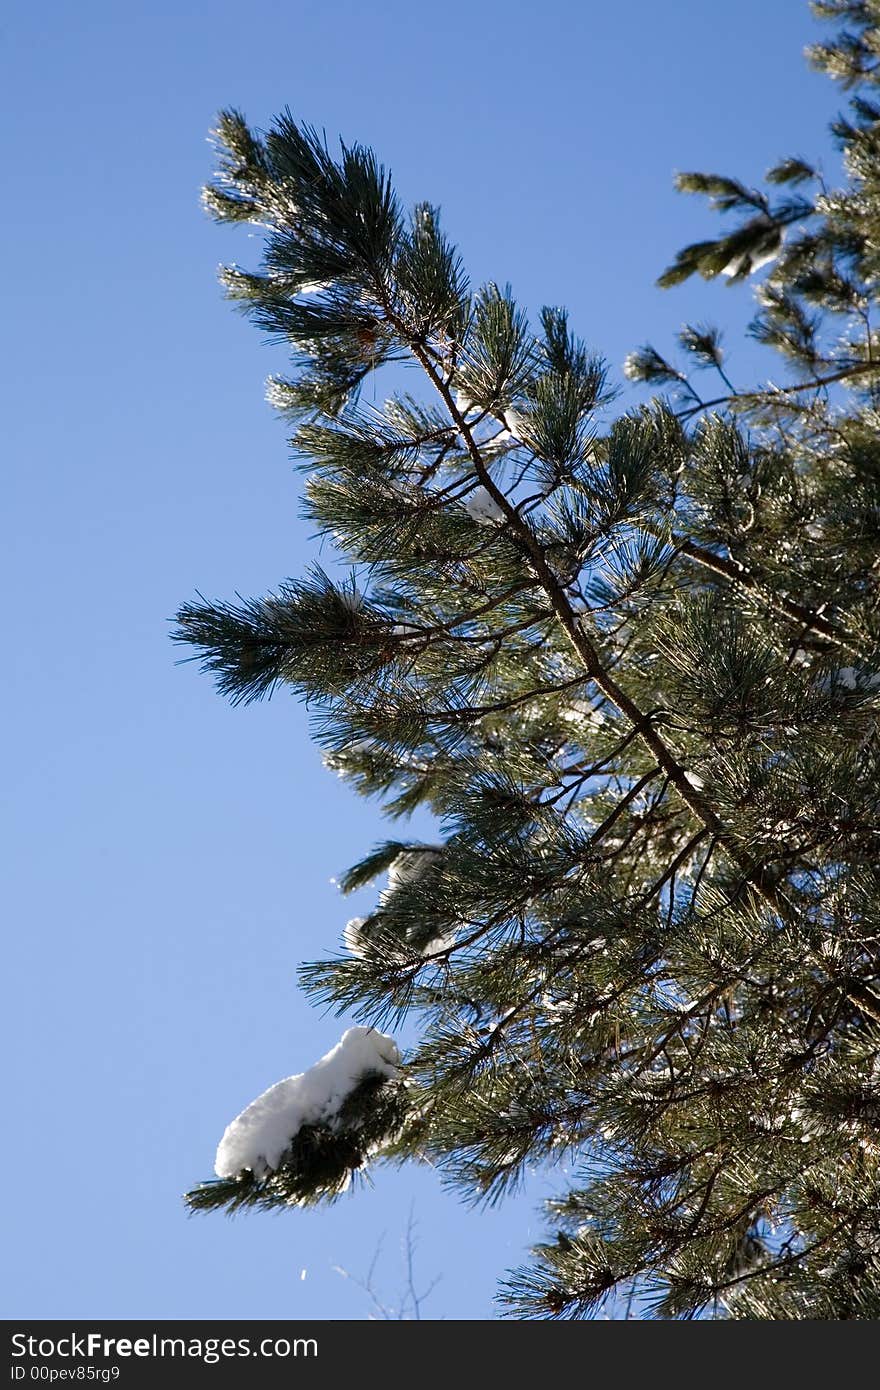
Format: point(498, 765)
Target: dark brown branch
point(772, 392)
point(798, 612)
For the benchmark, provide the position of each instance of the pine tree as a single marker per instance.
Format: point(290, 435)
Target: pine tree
point(631, 663)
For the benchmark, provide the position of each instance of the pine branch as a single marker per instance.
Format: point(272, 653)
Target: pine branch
point(569, 620)
point(649, 936)
point(321, 1159)
point(810, 620)
point(818, 383)
point(756, 875)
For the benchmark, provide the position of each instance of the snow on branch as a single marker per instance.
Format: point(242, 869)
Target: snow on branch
point(304, 1137)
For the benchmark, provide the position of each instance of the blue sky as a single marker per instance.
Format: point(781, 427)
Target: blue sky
point(170, 858)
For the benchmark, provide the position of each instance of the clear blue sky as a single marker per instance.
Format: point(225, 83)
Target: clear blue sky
point(169, 858)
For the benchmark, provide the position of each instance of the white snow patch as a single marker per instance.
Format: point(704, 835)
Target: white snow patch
point(407, 868)
point(497, 442)
point(582, 712)
point(351, 598)
point(463, 403)
point(443, 941)
point(483, 508)
point(695, 780)
point(257, 1138)
point(352, 936)
point(557, 1008)
point(409, 865)
point(333, 760)
point(277, 393)
point(850, 678)
point(406, 630)
point(750, 261)
point(871, 680)
point(515, 422)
